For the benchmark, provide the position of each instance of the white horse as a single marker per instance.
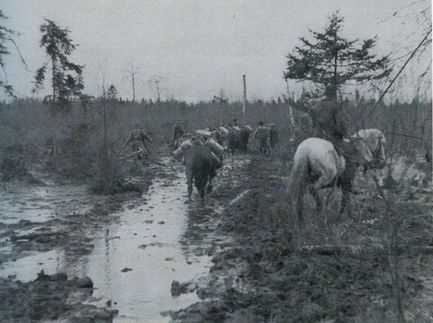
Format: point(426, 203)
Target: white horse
point(376, 142)
point(318, 165)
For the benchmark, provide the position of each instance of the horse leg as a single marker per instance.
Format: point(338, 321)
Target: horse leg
point(202, 189)
point(189, 180)
point(300, 209)
point(346, 182)
point(324, 180)
point(200, 181)
point(317, 198)
point(202, 193)
point(189, 190)
point(328, 197)
point(345, 199)
point(209, 184)
point(300, 215)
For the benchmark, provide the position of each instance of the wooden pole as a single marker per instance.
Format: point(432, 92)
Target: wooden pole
point(244, 106)
point(133, 86)
point(291, 118)
point(157, 89)
point(106, 166)
point(132, 72)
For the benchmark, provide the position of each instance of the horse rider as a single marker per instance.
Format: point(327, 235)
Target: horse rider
point(261, 136)
point(329, 124)
point(178, 133)
point(137, 140)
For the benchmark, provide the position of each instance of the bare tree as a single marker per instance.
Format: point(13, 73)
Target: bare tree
point(155, 81)
point(131, 74)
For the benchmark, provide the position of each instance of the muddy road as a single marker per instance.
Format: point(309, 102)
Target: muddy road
point(69, 255)
point(144, 255)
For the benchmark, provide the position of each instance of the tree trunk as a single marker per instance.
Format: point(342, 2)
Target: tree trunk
point(336, 67)
point(133, 87)
point(244, 105)
point(157, 90)
point(106, 165)
point(53, 68)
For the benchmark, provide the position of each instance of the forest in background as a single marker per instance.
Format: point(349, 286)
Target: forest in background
point(74, 136)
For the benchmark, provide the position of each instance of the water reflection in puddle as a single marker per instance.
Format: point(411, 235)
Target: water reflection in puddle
point(26, 268)
point(40, 204)
point(147, 242)
point(134, 260)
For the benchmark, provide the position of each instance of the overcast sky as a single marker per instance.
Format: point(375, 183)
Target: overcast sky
point(198, 47)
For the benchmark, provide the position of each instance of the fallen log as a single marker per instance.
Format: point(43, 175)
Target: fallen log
point(135, 153)
point(356, 250)
point(329, 249)
point(38, 237)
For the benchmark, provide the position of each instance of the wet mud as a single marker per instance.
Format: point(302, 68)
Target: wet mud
point(46, 232)
point(342, 274)
point(50, 298)
point(130, 246)
point(153, 257)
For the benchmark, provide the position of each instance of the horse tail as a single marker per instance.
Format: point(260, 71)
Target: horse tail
point(340, 162)
point(298, 176)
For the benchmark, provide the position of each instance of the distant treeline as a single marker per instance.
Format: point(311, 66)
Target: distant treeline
point(33, 123)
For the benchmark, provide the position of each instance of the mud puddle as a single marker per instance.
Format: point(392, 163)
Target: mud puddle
point(25, 269)
point(137, 260)
point(134, 260)
point(40, 204)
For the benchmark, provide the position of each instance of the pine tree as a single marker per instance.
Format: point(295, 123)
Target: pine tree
point(112, 93)
point(6, 35)
point(331, 60)
point(66, 77)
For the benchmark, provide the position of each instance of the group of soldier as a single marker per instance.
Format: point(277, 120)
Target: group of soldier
point(235, 137)
point(319, 121)
point(322, 120)
point(267, 138)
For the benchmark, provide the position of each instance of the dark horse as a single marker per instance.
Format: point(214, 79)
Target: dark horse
point(200, 165)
